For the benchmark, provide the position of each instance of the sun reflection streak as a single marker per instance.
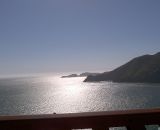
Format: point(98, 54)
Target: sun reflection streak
point(67, 85)
point(73, 90)
point(65, 93)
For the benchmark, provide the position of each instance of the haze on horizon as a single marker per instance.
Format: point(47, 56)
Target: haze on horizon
point(42, 36)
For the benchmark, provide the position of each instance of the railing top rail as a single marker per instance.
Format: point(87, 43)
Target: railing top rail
point(83, 114)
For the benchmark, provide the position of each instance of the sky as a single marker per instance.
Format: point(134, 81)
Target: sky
point(50, 36)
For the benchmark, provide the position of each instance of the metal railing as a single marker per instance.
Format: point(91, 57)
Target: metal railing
point(131, 119)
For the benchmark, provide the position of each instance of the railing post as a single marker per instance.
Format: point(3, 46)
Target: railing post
point(136, 127)
point(63, 129)
point(100, 128)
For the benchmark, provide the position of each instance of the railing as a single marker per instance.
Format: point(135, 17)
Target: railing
point(131, 119)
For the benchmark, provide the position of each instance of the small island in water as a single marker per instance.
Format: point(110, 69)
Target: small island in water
point(143, 69)
point(81, 75)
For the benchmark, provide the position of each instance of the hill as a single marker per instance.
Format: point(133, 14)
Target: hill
point(141, 69)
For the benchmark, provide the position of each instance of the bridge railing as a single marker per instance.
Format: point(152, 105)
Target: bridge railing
point(131, 119)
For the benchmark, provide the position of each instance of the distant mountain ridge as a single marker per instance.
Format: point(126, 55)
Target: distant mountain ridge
point(145, 68)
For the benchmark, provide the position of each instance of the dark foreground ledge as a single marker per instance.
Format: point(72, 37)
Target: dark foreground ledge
point(132, 119)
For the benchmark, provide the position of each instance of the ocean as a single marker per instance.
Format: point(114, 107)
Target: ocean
point(52, 94)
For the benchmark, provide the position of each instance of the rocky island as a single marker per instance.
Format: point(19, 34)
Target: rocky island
point(70, 76)
point(80, 75)
point(142, 69)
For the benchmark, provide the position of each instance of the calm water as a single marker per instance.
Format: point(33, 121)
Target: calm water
point(45, 95)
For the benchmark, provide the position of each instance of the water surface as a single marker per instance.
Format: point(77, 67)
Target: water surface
point(46, 95)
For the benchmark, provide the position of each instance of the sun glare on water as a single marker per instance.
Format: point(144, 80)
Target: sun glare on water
point(68, 86)
point(73, 86)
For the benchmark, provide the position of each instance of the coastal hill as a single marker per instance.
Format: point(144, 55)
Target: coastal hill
point(141, 69)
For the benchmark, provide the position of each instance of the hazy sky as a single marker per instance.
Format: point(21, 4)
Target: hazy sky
point(75, 35)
